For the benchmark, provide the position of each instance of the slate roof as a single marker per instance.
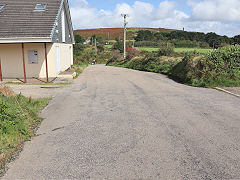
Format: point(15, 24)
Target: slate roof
point(18, 18)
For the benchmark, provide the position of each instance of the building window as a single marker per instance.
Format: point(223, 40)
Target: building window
point(33, 57)
point(63, 27)
point(1, 7)
point(40, 7)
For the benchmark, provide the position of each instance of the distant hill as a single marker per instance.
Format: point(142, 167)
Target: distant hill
point(113, 33)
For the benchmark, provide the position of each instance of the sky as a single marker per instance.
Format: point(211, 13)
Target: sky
point(219, 16)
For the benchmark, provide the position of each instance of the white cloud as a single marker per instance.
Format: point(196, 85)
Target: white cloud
point(220, 16)
point(216, 10)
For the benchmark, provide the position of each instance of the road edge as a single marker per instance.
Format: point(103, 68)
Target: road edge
point(228, 92)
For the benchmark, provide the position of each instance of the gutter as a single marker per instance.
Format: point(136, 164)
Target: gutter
point(25, 40)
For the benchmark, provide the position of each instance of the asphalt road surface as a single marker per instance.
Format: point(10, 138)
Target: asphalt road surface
point(115, 123)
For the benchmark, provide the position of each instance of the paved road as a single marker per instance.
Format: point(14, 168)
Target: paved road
point(114, 123)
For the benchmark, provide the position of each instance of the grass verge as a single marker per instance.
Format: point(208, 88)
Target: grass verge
point(78, 68)
point(18, 122)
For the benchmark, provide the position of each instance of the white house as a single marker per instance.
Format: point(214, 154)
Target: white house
point(36, 38)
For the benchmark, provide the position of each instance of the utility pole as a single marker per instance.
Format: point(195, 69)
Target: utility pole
point(125, 34)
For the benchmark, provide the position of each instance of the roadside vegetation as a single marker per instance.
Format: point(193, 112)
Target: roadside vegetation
point(18, 121)
point(215, 68)
point(84, 54)
point(196, 59)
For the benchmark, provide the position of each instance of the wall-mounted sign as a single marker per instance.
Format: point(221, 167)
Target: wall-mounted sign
point(33, 57)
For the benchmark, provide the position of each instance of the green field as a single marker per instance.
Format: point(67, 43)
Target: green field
point(193, 49)
point(149, 49)
point(152, 49)
point(109, 46)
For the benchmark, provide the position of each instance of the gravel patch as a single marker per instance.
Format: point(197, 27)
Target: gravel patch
point(36, 91)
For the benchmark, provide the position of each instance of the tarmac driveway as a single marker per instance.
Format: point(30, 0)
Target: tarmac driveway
point(115, 123)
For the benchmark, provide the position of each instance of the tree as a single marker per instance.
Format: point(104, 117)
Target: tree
point(99, 39)
point(79, 39)
point(144, 35)
point(159, 36)
point(236, 39)
point(213, 40)
point(119, 45)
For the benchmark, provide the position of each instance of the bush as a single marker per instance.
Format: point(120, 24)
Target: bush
point(150, 62)
point(190, 44)
point(116, 58)
point(217, 68)
point(220, 67)
point(78, 49)
point(120, 46)
point(166, 51)
point(100, 47)
point(146, 44)
point(131, 53)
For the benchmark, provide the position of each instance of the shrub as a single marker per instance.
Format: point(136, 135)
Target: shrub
point(217, 68)
point(165, 51)
point(146, 44)
point(116, 57)
point(220, 67)
point(131, 53)
point(150, 62)
point(120, 46)
point(78, 49)
point(100, 47)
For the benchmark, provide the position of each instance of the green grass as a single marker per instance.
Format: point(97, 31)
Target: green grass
point(18, 120)
point(193, 49)
point(112, 41)
point(151, 49)
point(78, 68)
point(132, 30)
point(15, 83)
point(109, 46)
point(148, 49)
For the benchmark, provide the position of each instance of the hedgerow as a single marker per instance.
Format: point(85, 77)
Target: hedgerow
point(217, 68)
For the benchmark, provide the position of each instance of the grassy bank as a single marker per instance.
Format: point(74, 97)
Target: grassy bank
point(18, 120)
point(215, 68)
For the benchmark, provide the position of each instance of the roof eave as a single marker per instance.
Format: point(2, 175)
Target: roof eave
point(26, 40)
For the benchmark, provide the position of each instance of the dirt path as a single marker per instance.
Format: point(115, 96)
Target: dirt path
point(114, 123)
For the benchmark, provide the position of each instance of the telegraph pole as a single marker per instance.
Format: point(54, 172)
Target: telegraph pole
point(125, 34)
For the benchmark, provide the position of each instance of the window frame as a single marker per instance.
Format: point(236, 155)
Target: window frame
point(63, 26)
point(40, 7)
point(2, 6)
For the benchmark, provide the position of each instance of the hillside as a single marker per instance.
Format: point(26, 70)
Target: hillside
point(113, 33)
